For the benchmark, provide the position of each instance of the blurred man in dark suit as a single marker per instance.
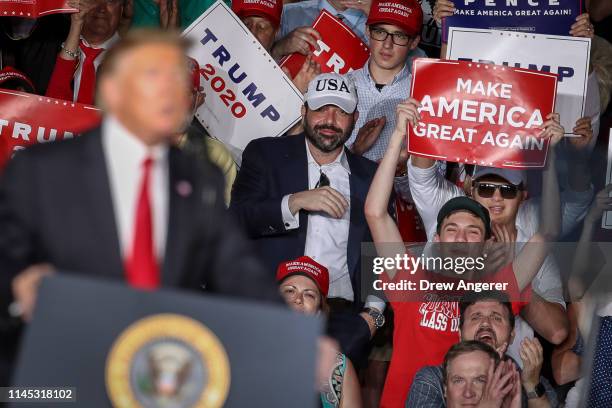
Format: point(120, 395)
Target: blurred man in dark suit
point(120, 202)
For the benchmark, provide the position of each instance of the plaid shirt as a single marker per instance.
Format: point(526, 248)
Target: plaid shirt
point(373, 103)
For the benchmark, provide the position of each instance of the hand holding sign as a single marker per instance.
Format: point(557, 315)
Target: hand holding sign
point(407, 113)
point(483, 114)
point(337, 49)
point(553, 129)
point(582, 27)
point(300, 40)
point(34, 8)
point(442, 9)
point(583, 134)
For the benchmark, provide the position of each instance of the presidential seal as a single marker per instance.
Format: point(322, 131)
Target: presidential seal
point(168, 361)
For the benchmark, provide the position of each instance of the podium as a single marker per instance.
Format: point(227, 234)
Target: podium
point(118, 347)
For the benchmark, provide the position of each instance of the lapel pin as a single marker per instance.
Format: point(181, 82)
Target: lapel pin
point(183, 188)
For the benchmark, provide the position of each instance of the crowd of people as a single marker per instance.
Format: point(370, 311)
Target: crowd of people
point(150, 198)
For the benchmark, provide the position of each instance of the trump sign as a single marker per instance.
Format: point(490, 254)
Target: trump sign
point(481, 114)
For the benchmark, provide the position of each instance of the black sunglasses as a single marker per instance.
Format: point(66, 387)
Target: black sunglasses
point(486, 190)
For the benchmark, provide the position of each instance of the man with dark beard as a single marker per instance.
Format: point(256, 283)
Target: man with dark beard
point(304, 194)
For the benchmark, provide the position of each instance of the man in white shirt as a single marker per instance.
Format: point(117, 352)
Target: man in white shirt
point(93, 30)
point(304, 194)
point(120, 202)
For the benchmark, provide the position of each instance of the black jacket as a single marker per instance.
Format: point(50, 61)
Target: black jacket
point(274, 167)
point(56, 207)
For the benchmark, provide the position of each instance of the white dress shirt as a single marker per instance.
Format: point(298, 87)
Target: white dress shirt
point(106, 45)
point(124, 155)
point(327, 237)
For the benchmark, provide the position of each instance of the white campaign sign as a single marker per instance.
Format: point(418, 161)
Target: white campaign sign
point(247, 94)
point(566, 56)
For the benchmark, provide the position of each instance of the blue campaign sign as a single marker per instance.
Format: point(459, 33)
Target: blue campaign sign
point(530, 16)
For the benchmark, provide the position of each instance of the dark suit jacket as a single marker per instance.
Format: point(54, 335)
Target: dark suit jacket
point(56, 207)
point(274, 167)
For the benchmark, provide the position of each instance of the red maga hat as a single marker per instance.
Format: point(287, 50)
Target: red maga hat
point(194, 70)
point(406, 14)
point(270, 9)
point(10, 74)
point(306, 266)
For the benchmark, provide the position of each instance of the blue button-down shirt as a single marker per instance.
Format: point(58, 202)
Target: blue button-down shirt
point(304, 13)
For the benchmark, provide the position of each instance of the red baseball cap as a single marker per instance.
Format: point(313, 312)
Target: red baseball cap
point(194, 70)
point(270, 9)
point(17, 78)
point(406, 14)
point(305, 266)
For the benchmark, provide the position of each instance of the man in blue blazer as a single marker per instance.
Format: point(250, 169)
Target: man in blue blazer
point(304, 195)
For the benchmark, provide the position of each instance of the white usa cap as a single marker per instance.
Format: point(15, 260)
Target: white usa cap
point(332, 89)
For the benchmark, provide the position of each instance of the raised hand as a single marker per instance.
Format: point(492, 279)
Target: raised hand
point(584, 133)
point(532, 355)
point(582, 27)
point(300, 40)
point(443, 8)
point(368, 135)
point(407, 113)
point(499, 385)
point(553, 129)
point(309, 70)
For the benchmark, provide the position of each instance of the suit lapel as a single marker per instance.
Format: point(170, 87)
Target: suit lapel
point(359, 191)
point(95, 181)
point(180, 195)
point(296, 170)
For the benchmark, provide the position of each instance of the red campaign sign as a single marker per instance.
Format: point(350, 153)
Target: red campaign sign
point(341, 50)
point(480, 113)
point(26, 119)
point(34, 8)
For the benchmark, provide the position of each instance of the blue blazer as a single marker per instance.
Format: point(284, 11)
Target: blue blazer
point(274, 167)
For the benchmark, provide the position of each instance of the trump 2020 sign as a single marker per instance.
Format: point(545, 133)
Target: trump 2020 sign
point(247, 94)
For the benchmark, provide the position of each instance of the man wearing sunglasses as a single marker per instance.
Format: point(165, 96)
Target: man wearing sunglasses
point(514, 219)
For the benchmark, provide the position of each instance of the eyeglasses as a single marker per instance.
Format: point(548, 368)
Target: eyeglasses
point(379, 34)
point(323, 181)
point(486, 190)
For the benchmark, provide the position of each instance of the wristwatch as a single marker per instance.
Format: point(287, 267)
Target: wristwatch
point(537, 392)
point(379, 318)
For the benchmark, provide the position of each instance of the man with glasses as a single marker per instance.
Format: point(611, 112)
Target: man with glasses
point(394, 30)
point(514, 218)
point(303, 195)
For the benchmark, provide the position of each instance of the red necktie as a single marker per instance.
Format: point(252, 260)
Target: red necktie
point(87, 85)
point(141, 267)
